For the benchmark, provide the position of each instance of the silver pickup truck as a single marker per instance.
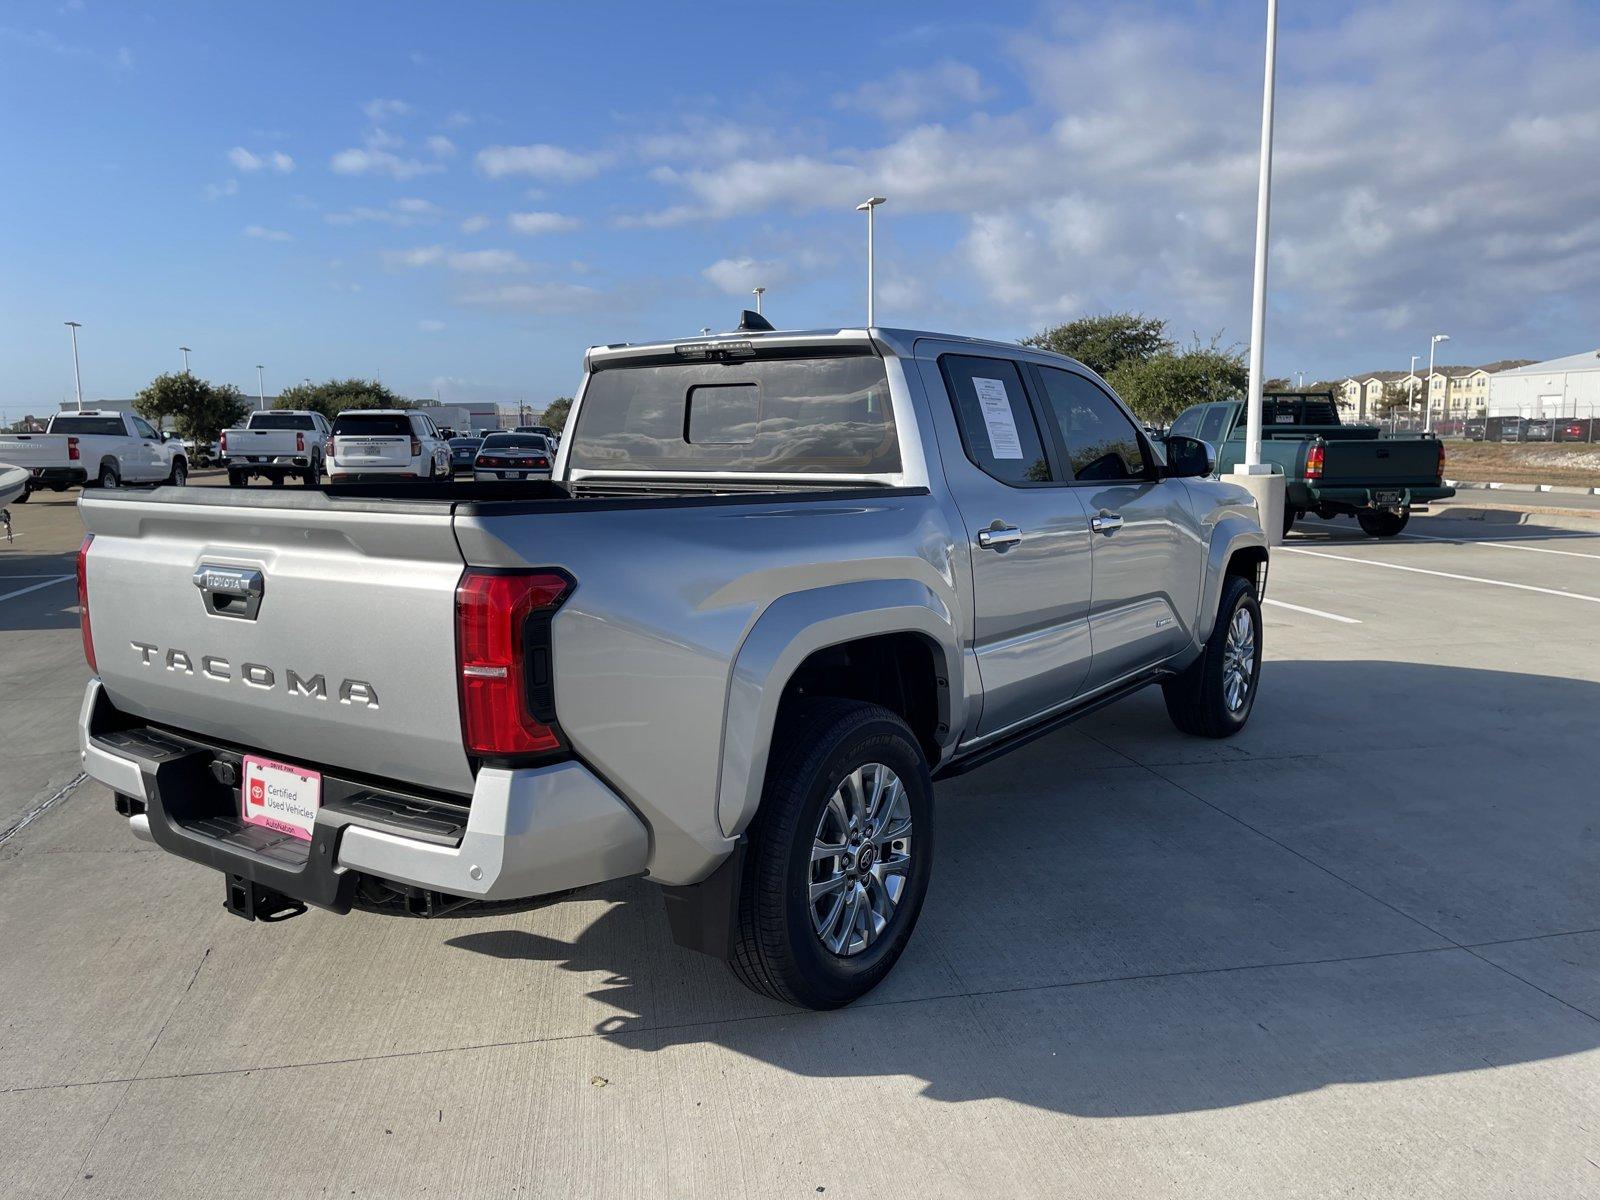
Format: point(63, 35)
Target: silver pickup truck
point(779, 585)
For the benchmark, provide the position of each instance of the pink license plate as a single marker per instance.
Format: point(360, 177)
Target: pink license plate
point(280, 796)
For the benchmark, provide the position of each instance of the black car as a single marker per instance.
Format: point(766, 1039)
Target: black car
point(463, 450)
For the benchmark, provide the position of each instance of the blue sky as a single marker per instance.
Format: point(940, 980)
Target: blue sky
point(463, 197)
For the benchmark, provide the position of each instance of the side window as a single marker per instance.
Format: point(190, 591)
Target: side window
point(997, 425)
point(1215, 425)
point(144, 430)
point(1188, 422)
point(1101, 443)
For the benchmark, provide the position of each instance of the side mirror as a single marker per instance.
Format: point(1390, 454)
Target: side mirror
point(1189, 458)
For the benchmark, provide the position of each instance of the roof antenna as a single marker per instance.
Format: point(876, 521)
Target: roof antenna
point(753, 322)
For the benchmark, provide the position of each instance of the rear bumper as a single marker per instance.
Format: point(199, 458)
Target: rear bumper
point(267, 462)
point(528, 476)
point(1350, 499)
point(523, 833)
point(46, 476)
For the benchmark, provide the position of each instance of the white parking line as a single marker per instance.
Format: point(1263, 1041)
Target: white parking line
point(1499, 544)
point(1315, 612)
point(1521, 587)
point(36, 587)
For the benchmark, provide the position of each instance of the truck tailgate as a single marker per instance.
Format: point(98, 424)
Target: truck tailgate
point(267, 442)
point(347, 661)
point(34, 450)
point(1398, 462)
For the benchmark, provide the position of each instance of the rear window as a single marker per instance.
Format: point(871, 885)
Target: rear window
point(281, 421)
point(515, 441)
point(772, 415)
point(371, 425)
point(88, 425)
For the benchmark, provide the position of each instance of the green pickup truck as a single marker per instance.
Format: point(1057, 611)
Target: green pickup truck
point(1330, 469)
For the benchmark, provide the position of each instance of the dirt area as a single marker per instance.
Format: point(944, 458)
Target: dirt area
point(1538, 463)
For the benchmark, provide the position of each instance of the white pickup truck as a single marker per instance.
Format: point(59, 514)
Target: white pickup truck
point(95, 446)
point(276, 444)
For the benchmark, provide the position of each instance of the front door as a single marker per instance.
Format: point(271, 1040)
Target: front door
point(147, 459)
point(1028, 540)
point(1149, 552)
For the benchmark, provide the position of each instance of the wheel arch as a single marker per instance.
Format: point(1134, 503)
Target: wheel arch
point(1238, 547)
point(876, 640)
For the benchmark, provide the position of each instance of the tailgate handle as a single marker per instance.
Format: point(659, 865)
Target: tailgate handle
point(231, 591)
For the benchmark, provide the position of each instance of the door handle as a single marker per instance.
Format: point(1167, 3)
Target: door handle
point(1106, 523)
point(998, 536)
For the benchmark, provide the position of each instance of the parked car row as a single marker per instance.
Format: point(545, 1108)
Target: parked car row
point(1533, 429)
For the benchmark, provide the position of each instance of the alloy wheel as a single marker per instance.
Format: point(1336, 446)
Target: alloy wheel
point(860, 859)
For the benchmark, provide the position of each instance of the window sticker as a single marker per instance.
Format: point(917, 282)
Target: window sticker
point(997, 417)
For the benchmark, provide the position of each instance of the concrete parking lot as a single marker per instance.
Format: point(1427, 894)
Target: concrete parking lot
point(1355, 950)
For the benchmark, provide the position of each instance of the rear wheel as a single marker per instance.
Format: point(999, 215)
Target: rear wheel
point(237, 479)
point(1289, 517)
point(277, 478)
point(1381, 524)
point(110, 477)
point(839, 856)
point(1213, 697)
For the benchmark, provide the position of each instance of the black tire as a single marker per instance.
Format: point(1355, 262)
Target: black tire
point(776, 949)
point(179, 475)
point(277, 478)
point(238, 479)
point(23, 497)
point(1383, 524)
point(1197, 700)
point(109, 477)
point(1289, 517)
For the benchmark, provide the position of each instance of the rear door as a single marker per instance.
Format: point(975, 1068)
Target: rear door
point(1028, 538)
point(1149, 551)
point(347, 657)
point(364, 441)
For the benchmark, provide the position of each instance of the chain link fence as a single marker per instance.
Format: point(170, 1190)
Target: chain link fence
point(1580, 424)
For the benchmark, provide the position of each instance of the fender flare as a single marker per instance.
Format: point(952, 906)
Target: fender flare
point(788, 632)
point(1228, 536)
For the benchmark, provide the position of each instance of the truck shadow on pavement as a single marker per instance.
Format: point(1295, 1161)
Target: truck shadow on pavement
point(1124, 921)
point(52, 602)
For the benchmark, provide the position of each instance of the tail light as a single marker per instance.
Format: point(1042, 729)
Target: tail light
point(504, 660)
point(83, 602)
point(299, 441)
point(1441, 460)
point(416, 445)
point(1314, 461)
point(72, 449)
point(327, 448)
point(481, 461)
point(541, 462)
point(222, 442)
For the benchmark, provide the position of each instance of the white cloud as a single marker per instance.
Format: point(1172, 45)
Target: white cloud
point(400, 213)
point(431, 326)
point(544, 298)
point(736, 276)
point(475, 224)
point(245, 160)
point(542, 222)
point(366, 161)
point(215, 191)
point(486, 262)
point(262, 233)
point(383, 110)
point(908, 94)
point(440, 146)
point(417, 256)
point(540, 161)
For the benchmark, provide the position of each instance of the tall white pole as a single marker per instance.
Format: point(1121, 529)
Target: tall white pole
point(261, 387)
point(77, 376)
point(868, 206)
point(185, 350)
point(758, 291)
point(1258, 305)
point(1432, 345)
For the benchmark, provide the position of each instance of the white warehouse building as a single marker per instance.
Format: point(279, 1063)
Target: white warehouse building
point(1561, 387)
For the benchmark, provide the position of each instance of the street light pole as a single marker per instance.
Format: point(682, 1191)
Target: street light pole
point(1258, 307)
point(758, 291)
point(261, 388)
point(185, 350)
point(1437, 338)
point(869, 206)
point(77, 376)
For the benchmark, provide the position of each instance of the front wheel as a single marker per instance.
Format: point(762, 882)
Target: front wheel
point(839, 856)
point(1214, 695)
point(1381, 524)
point(180, 473)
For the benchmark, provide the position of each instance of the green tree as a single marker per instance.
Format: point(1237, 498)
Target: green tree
point(556, 415)
point(1397, 395)
point(334, 396)
point(1161, 386)
point(1105, 342)
point(199, 408)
